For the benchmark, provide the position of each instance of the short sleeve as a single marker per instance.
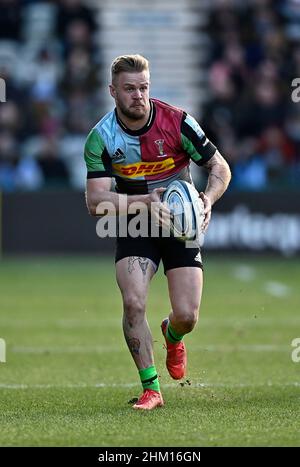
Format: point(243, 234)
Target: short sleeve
point(96, 157)
point(194, 141)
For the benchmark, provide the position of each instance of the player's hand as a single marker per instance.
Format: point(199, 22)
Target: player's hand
point(155, 195)
point(159, 211)
point(207, 210)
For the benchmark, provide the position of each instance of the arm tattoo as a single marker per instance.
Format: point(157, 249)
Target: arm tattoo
point(143, 263)
point(219, 178)
point(217, 158)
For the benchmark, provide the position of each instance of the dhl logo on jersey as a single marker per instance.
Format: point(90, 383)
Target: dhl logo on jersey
point(140, 169)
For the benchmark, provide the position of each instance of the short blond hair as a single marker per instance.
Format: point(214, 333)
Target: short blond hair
point(129, 64)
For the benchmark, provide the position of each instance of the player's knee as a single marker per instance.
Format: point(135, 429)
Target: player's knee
point(189, 322)
point(134, 308)
point(188, 318)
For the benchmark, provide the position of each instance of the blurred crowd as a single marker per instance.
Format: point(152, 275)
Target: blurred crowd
point(251, 117)
point(51, 62)
point(50, 59)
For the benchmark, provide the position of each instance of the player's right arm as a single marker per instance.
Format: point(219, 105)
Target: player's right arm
point(99, 180)
point(98, 191)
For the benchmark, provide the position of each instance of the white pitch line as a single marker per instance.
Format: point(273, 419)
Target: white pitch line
point(61, 324)
point(244, 273)
point(133, 385)
point(105, 349)
point(245, 348)
point(247, 273)
point(255, 320)
point(66, 349)
point(277, 289)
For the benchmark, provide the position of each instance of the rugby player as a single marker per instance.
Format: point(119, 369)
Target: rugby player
point(145, 144)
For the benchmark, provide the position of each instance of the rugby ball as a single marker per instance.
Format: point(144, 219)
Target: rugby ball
point(187, 210)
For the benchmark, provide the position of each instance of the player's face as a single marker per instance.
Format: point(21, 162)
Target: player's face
point(131, 93)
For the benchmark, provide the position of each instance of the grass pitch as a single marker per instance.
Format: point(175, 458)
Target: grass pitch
point(68, 375)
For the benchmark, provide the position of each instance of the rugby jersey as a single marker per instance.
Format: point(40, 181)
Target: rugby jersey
point(153, 156)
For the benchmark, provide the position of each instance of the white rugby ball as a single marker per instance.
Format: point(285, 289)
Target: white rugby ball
point(187, 210)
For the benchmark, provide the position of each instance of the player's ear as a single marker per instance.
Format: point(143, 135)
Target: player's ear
point(112, 91)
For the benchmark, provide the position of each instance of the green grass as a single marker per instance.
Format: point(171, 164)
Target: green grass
point(69, 376)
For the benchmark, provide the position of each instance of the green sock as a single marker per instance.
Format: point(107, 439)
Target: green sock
point(172, 335)
point(149, 378)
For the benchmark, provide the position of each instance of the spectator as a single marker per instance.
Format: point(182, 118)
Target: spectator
point(70, 11)
point(80, 73)
point(53, 168)
point(10, 20)
point(9, 158)
point(250, 74)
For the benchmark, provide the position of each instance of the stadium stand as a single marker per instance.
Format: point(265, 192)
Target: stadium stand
point(255, 55)
point(229, 63)
point(51, 64)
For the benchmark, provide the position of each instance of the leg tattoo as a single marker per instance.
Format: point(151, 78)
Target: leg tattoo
point(143, 263)
point(134, 345)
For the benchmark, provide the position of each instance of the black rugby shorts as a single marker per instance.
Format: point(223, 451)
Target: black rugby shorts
point(172, 252)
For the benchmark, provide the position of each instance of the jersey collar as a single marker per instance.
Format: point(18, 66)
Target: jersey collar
point(145, 128)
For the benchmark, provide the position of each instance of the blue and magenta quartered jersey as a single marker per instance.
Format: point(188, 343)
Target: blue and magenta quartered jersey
point(148, 158)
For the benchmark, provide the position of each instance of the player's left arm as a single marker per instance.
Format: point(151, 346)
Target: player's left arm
point(219, 176)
